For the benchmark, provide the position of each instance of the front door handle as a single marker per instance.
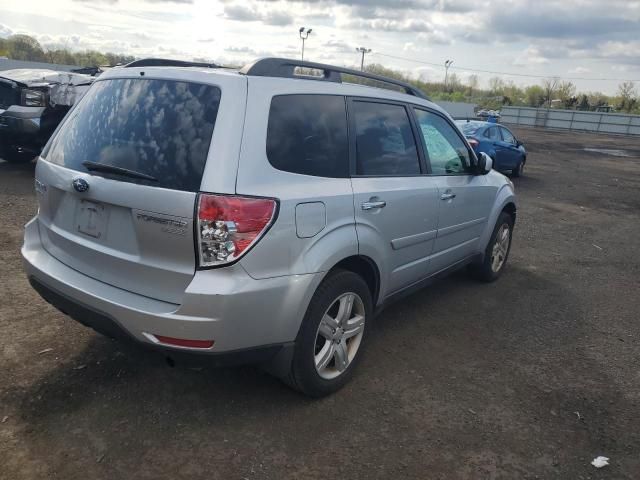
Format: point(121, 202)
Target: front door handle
point(447, 196)
point(373, 205)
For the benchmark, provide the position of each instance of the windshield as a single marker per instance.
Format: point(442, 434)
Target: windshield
point(158, 128)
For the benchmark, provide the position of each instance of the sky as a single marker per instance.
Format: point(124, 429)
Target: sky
point(594, 43)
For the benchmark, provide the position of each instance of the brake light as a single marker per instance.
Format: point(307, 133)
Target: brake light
point(473, 142)
point(229, 225)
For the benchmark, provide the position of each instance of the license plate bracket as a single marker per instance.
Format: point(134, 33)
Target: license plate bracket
point(92, 219)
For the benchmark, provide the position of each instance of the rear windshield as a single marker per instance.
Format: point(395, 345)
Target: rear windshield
point(158, 128)
point(468, 128)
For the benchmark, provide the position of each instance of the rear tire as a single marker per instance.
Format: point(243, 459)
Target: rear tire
point(497, 252)
point(332, 336)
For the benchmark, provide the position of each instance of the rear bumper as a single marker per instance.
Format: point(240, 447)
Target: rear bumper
point(225, 305)
point(109, 327)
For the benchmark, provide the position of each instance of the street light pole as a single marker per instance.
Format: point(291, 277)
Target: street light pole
point(363, 51)
point(304, 34)
point(447, 64)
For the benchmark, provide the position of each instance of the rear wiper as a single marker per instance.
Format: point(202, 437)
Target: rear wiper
point(101, 167)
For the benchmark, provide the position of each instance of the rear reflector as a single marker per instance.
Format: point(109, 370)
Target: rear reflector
point(183, 342)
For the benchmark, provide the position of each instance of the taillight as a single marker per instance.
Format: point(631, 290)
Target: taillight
point(473, 142)
point(229, 225)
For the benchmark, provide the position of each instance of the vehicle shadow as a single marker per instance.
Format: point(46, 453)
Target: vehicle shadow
point(444, 352)
point(107, 368)
point(527, 180)
point(17, 167)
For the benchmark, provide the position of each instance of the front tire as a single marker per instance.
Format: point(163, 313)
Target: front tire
point(497, 252)
point(519, 170)
point(332, 335)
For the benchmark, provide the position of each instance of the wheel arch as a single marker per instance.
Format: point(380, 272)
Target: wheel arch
point(505, 202)
point(364, 266)
point(511, 209)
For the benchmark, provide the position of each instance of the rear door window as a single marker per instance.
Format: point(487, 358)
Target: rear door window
point(159, 128)
point(307, 134)
point(385, 145)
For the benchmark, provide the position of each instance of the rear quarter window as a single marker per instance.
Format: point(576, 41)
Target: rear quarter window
point(307, 134)
point(160, 128)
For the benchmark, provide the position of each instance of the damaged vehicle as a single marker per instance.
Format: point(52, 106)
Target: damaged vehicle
point(32, 104)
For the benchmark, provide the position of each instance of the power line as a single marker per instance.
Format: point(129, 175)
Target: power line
point(468, 69)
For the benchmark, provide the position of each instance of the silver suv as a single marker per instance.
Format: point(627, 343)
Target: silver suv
point(261, 215)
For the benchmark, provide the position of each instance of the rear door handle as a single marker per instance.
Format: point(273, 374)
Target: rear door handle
point(447, 196)
point(373, 205)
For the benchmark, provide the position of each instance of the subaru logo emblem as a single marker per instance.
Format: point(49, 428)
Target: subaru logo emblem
point(80, 184)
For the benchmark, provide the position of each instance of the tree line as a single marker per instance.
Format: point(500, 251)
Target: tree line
point(552, 92)
point(24, 47)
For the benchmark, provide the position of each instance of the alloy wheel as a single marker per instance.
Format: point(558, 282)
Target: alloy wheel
point(339, 335)
point(500, 247)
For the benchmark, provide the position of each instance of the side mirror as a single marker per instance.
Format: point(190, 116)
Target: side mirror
point(485, 163)
point(518, 143)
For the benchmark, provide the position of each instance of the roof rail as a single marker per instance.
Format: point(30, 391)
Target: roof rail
point(285, 68)
point(167, 62)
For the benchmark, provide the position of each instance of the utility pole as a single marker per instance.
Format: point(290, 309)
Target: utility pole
point(304, 34)
point(447, 64)
point(363, 51)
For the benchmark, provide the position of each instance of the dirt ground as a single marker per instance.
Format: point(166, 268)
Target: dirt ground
point(531, 377)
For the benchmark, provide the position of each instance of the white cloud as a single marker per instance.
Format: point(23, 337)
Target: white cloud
point(580, 37)
point(255, 13)
point(579, 70)
point(5, 31)
point(531, 56)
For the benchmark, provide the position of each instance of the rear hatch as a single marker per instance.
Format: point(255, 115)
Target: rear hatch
point(118, 186)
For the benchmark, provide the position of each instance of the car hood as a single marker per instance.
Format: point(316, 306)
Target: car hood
point(64, 88)
point(31, 77)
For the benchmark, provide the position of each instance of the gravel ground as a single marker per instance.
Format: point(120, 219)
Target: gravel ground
point(530, 377)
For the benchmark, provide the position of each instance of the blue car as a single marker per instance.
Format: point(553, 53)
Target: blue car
point(498, 142)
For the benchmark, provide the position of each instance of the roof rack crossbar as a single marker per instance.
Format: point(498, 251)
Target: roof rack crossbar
point(167, 62)
point(285, 68)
